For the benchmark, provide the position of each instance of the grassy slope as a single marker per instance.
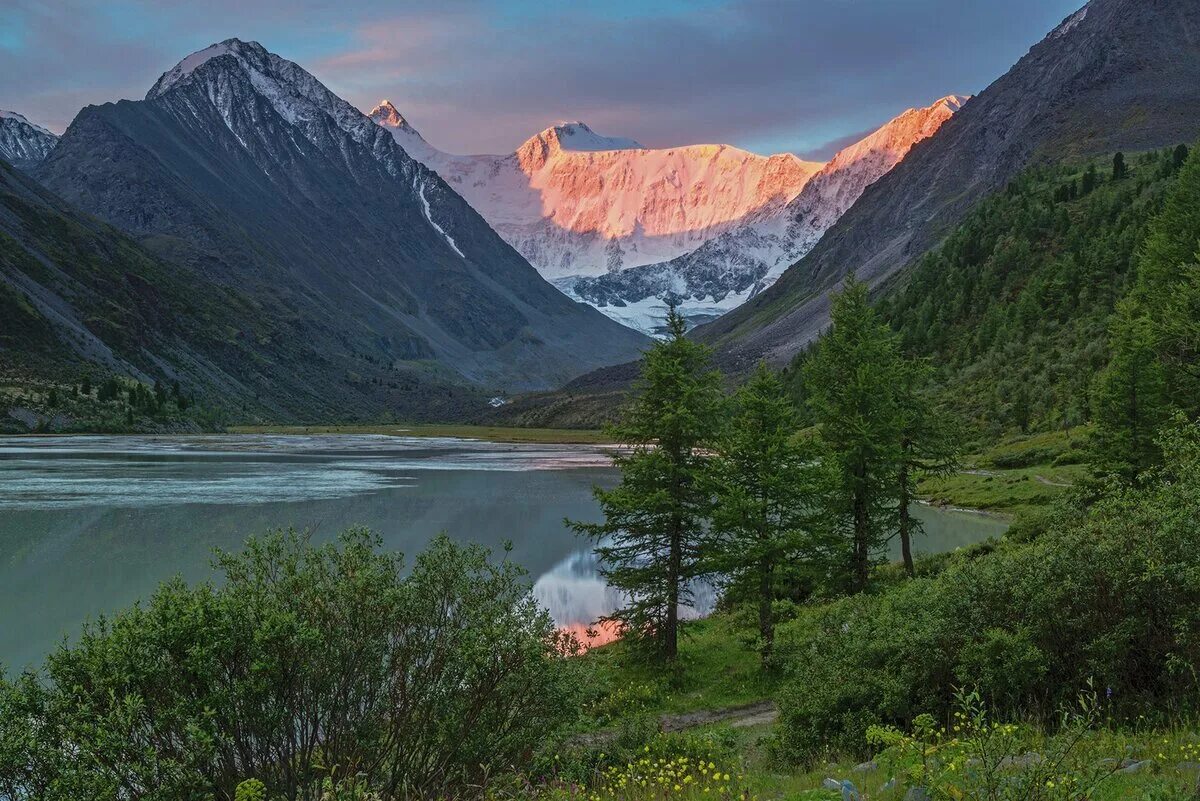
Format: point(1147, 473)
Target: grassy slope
point(1019, 475)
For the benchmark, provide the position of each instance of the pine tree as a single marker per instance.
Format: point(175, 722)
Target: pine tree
point(1119, 171)
point(1129, 399)
point(852, 381)
point(927, 447)
point(766, 491)
point(649, 542)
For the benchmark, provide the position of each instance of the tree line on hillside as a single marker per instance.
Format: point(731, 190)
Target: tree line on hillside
point(1013, 309)
point(734, 489)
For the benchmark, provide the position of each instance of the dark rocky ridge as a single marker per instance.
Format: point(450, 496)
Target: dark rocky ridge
point(247, 172)
point(1119, 75)
point(80, 298)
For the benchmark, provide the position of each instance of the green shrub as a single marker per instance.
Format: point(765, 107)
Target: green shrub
point(317, 671)
point(1113, 594)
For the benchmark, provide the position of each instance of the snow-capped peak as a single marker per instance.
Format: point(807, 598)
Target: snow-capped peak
point(23, 143)
point(294, 93)
point(388, 116)
point(576, 136)
point(189, 64)
point(21, 118)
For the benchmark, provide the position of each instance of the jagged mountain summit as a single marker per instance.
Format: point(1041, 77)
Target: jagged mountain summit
point(1118, 75)
point(736, 265)
point(574, 202)
point(23, 143)
point(244, 168)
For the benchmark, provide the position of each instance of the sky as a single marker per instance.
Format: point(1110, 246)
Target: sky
point(481, 76)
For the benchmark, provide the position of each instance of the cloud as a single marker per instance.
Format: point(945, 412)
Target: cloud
point(483, 75)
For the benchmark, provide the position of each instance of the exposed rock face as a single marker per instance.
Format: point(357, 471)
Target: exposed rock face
point(1117, 75)
point(247, 170)
point(22, 143)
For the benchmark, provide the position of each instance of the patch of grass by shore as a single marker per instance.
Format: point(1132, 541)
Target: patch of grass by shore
point(1019, 475)
point(549, 436)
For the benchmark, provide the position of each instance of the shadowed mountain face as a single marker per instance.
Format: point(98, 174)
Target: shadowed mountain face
point(1117, 75)
point(244, 169)
point(78, 297)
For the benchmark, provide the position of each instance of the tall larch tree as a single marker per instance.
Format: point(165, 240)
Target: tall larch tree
point(852, 382)
point(767, 487)
point(649, 544)
point(928, 446)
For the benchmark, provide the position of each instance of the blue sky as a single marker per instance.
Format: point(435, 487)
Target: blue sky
point(483, 75)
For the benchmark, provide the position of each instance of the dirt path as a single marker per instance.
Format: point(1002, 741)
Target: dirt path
point(1049, 483)
point(737, 716)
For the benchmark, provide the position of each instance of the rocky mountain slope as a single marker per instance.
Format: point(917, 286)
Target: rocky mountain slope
point(1117, 75)
point(80, 299)
point(244, 169)
point(577, 203)
point(22, 143)
point(737, 265)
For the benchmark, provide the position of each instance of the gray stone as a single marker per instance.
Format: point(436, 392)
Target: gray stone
point(865, 767)
point(1134, 766)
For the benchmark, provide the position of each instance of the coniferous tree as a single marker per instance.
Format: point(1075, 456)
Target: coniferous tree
point(852, 381)
point(649, 542)
point(767, 491)
point(1119, 171)
point(927, 447)
point(1089, 180)
point(1130, 401)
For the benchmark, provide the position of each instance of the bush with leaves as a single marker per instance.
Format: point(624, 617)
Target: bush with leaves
point(978, 757)
point(1113, 593)
point(316, 671)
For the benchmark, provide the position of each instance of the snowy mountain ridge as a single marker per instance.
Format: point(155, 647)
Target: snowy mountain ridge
point(736, 265)
point(575, 202)
point(23, 143)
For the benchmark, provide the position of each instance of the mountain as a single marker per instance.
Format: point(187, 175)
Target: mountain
point(1117, 75)
point(574, 202)
point(739, 264)
point(244, 169)
point(22, 143)
point(80, 299)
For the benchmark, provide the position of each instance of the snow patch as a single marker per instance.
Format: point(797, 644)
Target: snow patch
point(12, 115)
point(1071, 23)
point(420, 187)
point(188, 66)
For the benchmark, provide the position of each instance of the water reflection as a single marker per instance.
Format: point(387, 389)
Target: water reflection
point(88, 525)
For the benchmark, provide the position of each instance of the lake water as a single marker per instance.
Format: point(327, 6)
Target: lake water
point(88, 525)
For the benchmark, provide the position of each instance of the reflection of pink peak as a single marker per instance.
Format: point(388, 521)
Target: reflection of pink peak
point(575, 202)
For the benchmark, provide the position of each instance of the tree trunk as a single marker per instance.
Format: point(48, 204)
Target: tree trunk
point(674, 562)
point(905, 522)
point(766, 620)
point(862, 557)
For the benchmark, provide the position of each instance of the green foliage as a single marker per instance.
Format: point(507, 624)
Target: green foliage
point(851, 382)
point(250, 790)
point(1129, 399)
point(1013, 308)
point(1110, 593)
point(768, 492)
point(980, 758)
point(1168, 288)
point(317, 671)
point(649, 543)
